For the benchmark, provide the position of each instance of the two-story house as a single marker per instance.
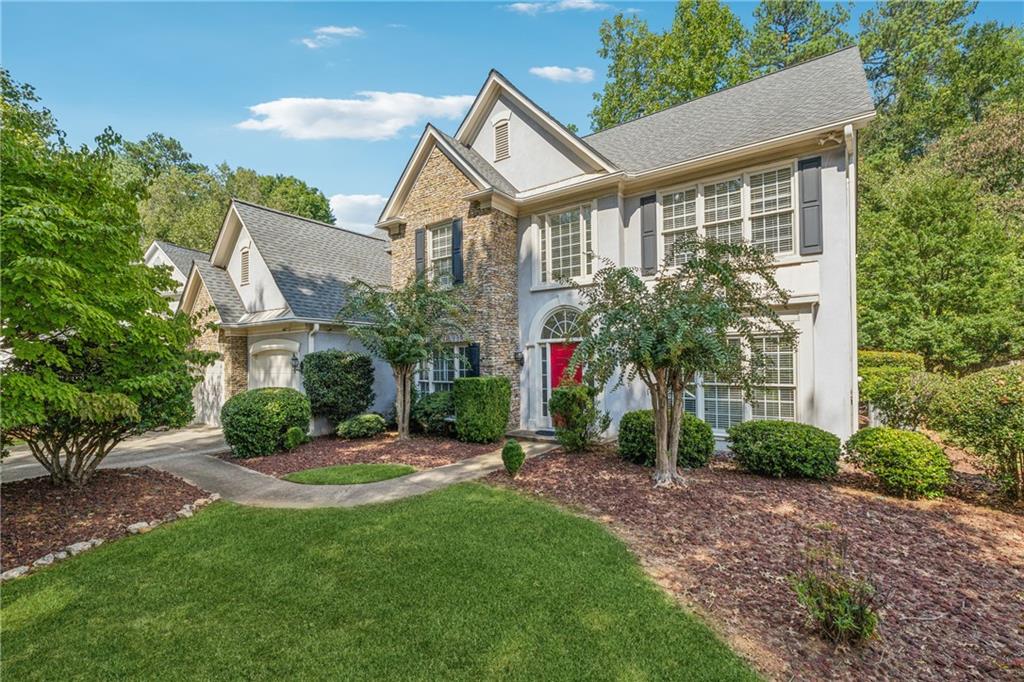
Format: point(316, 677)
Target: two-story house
point(514, 203)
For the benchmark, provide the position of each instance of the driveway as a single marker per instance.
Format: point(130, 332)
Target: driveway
point(148, 449)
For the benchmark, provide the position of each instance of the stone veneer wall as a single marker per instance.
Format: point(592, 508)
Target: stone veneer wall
point(234, 350)
point(490, 258)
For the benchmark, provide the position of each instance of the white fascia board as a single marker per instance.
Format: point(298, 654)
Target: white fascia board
point(221, 253)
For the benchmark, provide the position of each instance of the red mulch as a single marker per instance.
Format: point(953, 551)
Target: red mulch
point(39, 518)
point(951, 575)
point(421, 452)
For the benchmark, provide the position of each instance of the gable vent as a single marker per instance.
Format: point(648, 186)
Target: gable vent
point(245, 267)
point(501, 141)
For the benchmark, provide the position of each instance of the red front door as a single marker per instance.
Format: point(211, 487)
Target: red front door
point(561, 354)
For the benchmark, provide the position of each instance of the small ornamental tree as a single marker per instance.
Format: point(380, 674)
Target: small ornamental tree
point(700, 317)
point(404, 327)
point(90, 356)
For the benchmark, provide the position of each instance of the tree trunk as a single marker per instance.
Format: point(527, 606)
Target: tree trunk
point(403, 402)
point(71, 463)
point(666, 433)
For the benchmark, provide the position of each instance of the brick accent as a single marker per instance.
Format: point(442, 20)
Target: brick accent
point(490, 257)
point(234, 350)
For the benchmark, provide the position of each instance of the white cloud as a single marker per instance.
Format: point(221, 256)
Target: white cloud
point(328, 35)
point(375, 116)
point(357, 212)
point(533, 8)
point(564, 74)
point(530, 8)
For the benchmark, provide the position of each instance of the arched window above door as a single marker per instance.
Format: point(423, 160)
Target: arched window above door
point(562, 323)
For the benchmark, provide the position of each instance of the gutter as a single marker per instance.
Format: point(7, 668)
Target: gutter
point(851, 192)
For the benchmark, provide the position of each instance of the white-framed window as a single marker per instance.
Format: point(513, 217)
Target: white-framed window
point(566, 244)
point(439, 253)
point(723, 402)
point(244, 269)
point(440, 372)
point(771, 210)
point(723, 211)
point(502, 150)
point(679, 222)
point(777, 399)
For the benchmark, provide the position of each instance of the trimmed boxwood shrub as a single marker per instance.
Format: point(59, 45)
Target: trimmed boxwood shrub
point(776, 448)
point(362, 426)
point(905, 462)
point(578, 422)
point(512, 456)
point(255, 422)
point(636, 440)
point(339, 384)
point(294, 437)
point(482, 405)
point(432, 413)
point(885, 358)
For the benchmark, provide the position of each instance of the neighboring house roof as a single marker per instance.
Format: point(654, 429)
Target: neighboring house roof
point(312, 262)
point(222, 290)
point(473, 158)
point(819, 92)
point(182, 256)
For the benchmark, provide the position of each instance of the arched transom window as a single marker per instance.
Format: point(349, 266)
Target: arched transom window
point(563, 323)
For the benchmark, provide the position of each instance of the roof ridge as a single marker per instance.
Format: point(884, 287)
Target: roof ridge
point(308, 220)
point(717, 92)
point(179, 246)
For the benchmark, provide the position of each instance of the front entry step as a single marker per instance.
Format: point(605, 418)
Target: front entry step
point(540, 436)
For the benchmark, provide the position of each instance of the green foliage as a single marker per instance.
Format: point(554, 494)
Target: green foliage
point(349, 474)
point(637, 444)
point(482, 407)
point(89, 356)
point(880, 358)
point(362, 426)
point(787, 32)
point(404, 327)
point(840, 605)
point(294, 437)
point(255, 422)
point(985, 412)
point(775, 448)
point(700, 53)
point(512, 456)
point(433, 413)
point(578, 422)
point(906, 463)
point(339, 384)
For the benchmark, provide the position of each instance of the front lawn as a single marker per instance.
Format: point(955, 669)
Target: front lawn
point(348, 474)
point(469, 582)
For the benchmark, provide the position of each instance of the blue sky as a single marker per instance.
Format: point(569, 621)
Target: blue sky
point(258, 85)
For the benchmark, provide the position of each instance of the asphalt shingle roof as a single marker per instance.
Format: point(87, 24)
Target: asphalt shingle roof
point(814, 93)
point(480, 165)
point(312, 261)
point(222, 291)
point(182, 256)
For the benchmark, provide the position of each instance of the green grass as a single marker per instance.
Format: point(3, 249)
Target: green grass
point(346, 474)
point(467, 583)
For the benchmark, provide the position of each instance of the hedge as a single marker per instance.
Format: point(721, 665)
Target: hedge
point(637, 443)
point(362, 426)
point(255, 422)
point(885, 358)
point(906, 463)
point(776, 448)
point(339, 384)
point(482, 407)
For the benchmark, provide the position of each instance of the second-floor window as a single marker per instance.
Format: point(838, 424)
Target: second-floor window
point(566, 244)
point(441, 254)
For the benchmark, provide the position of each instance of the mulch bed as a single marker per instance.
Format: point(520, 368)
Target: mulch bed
point(950, 574)
point(39, 518)
point(420, 452)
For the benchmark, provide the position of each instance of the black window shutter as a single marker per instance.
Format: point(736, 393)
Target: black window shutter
point(648, 235)
point(811, 237)
point(473, 356)
point(457, 276)
point(421, 255)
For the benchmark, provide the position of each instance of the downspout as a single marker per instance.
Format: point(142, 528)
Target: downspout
point(311, 343)
point(851, 193)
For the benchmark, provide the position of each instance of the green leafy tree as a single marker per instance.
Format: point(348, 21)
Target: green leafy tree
point(938, 272)
point(787, 32)
point(404, 327)
point(687, 322)
point(89, 355)
point(184, 208)
point(700, 53)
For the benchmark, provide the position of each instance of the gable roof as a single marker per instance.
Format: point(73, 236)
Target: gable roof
point(181, 256)
point(489, 173)
point(825, 91)
point(310, 261)
point(221, 289)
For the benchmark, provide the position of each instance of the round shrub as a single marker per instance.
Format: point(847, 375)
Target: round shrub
point(294, 437)
point(578, 422)
point(776, 448)
point(363, 426)
point(636, 440)
point(339, 384)
point(906, 463)
point(513, 456)
point(433, 412)
point(255, 422)
point(482, 406)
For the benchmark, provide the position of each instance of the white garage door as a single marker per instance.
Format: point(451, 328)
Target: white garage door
point(271, 369)
point(208, 395)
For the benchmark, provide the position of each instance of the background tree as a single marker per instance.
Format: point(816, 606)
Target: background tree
point(404, 327)
point(787, 32)
point(89, 355)
point(686, 323)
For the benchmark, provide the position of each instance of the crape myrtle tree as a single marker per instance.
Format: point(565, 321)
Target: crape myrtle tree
point(89, 354)
point(404, 327)
point(697, 318)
